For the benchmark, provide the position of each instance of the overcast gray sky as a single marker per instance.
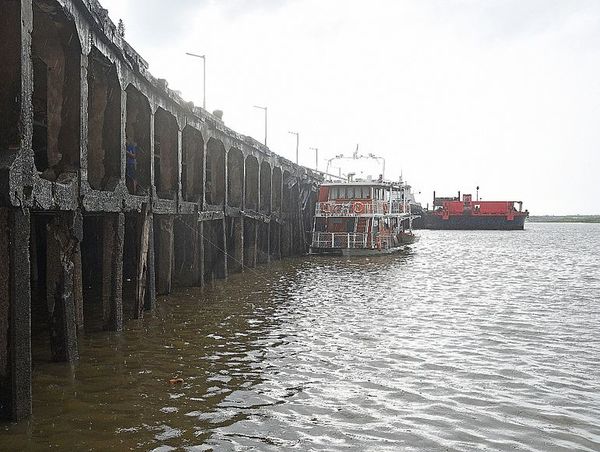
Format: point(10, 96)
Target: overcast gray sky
point(453, 93)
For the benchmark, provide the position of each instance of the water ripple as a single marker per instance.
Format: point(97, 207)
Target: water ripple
point(475, 340)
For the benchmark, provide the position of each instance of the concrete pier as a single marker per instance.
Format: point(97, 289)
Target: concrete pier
point(82, 244)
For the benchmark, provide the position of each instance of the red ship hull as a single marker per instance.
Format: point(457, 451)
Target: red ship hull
point(471, 222)
point(466, 214)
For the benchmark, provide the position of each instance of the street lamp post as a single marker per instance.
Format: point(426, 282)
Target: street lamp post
point(297, 143)
point(203, 76)
point(265, 109)
point(316, 157)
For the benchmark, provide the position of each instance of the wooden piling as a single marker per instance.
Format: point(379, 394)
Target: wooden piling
point(15, 315)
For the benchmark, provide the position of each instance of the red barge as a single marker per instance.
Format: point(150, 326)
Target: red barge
point(469, 214)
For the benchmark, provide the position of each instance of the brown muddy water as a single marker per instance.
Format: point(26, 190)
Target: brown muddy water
point(476, 340)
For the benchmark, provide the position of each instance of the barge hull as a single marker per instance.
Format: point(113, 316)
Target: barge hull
point(473, 222)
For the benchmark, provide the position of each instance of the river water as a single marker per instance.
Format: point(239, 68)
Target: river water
point(481, 340)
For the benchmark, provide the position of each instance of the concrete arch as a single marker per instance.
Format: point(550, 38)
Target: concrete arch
point(251, 181)
point(235, 178)
point(138, 120)
point(265, 187)
point(104, 123)
point(192, 154)
point(165, 154)
point(56, 57)
point(215, 172)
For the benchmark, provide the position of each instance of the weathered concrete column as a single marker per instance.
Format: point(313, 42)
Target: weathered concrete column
point(268, 239)
point(201, 251)
point(165, 254)
point(15, 315)
point(65, 232)
point(263, 242)
point(236, 260)
point(78, 287)
point(213, 250)
point(250, 235)
point(112, 271)
point(275, 240)
point(143, 242)
point(224, 249)
point(286, 236)
point(150, 295)
point(256, 243)
point(186, 270)
point(197, 255)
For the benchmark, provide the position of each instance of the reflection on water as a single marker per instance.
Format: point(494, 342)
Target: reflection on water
point(471, 340)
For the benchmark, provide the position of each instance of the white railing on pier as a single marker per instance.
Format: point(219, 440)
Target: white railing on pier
point(356, 208)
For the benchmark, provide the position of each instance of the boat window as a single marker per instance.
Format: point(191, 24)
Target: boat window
point(350, 224)
point(320, 225)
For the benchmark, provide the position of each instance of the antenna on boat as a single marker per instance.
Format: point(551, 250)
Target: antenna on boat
point(356, 156)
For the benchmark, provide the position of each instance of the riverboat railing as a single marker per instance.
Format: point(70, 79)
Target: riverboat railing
point(352, 240)
point(353, 208)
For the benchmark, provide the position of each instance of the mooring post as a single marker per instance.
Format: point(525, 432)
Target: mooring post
point(15, 315)
point(112, 271)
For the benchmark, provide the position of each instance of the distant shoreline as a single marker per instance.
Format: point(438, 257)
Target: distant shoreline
point(564, 218)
